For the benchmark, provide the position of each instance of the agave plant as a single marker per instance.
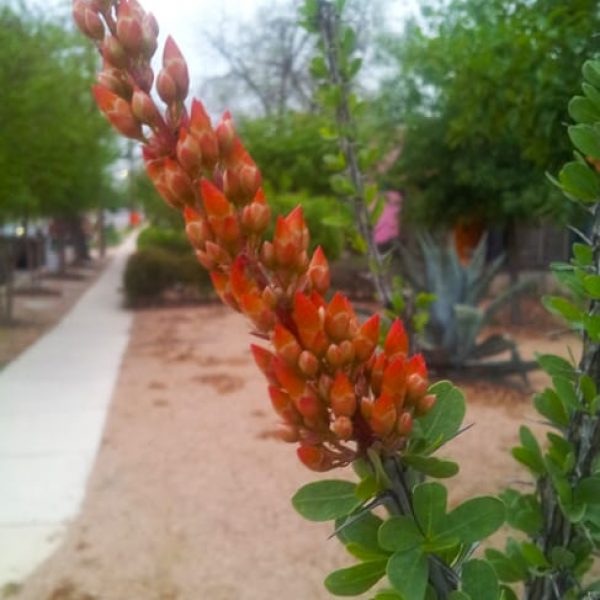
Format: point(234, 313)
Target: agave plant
point(452, 336)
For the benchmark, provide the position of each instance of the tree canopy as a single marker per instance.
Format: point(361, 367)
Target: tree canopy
point(481, 87)
point(55, 148)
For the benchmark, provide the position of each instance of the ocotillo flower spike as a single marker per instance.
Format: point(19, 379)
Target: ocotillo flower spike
point(337, 393)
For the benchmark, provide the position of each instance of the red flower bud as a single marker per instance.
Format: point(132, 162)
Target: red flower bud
point(225, 134)
point(333, 356)
point(288, 378)
point(264, 361)
point(383, 416)
point(315, 458)
point(286, 344)
point(309, 407)
point(342, 396)
point(405, 424)
point(114, 53)
point(394, 380)
point(338, 316)
point(342, 428)
point(144, 109)
point(318, 271)
point(189, 154)
point(287, 433)
point(366, 340)
point(396, 340)
point(308, 363)
point(129, 29)
point(425, 404)
point(256, 217)
point(174, 64)
point(118, 112)
point(166, 87)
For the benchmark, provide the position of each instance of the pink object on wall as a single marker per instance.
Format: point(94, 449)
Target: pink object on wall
point(387, 227)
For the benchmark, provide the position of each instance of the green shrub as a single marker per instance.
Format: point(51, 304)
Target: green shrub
point(152, 271)
point(170, 240)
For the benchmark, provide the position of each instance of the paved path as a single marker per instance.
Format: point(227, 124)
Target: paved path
point(53, 403)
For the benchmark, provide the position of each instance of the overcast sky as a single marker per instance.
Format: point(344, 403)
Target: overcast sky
point(187, 20)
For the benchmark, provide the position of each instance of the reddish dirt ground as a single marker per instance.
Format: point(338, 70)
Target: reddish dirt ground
point(189, 498)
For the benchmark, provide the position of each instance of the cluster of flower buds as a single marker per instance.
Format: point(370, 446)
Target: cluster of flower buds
point(336, 391)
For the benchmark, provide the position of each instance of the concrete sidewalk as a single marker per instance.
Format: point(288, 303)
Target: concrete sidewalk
point(53, 403)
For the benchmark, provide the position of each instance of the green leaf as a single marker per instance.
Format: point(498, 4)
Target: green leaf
point(507, 568)
point(408, 573)
point(563, 308)
point(357, 579)
point(562, 558)
point(591, 72)
point(586, 138)
point(587, 491)
point(566, 392)
point(583, 110)
point(363, 531)
point(583, 254)
point(334, 162)
point(367, 488)
point(400, 534)
point(592, 285)
point(318, 68)
point(443, 421)
point(555, 365)
point(479, 580)
point(578, 180)
point(365, 554)
point(523, 511)
point(591, 324)
point(530, 459)
point(529, 441)
point(325, 500)
point(588, 388)
point(534, 555)
point(475, 519)
point(434, 467)
point(342, 185)
point(550, 406)
point(429, 500)
point(458, 595)
point(388, 595)
point(506, 593)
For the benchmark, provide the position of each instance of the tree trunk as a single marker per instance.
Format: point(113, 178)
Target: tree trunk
point(6, 280)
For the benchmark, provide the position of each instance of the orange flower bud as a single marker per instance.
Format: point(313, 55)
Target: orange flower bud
point(405, 424)
point(416, 387)
point(366, 340)
point(366, 407)
point(308, 363)
point(347, 352)
point(114, 53)
point(324, 386)
point(215, 203)
point(256, 217)
point(220, 282)
point(297, 227)
point(285, 251)
point(144, 109)
point(396, 340)
point(318, 271)
point(286, 344)
point(175, 66)
point(264, 361)
point(280, 400)
point(225, 134)
point(342, 428)
point(267, 255)
point(198, 233)
point(249, 180)
point(333, 356)
point(118, 112)
point(166, 87)
point(179, 182)
point(129, 29)
point(342, 396)
point(383, 416)
point(337, 317)
point(217, 254)
point(88, 20)
point(254, 307)
point(149, 35)
point(145, 77)
point(314, 457)
point(425, 404)
point(416, 364)
point(189, 153)
point(209, 149)
point(377, 373)
point(394, 380)
point(288, 378)
point(113, 80)
point(309, 406)
point(306, 317)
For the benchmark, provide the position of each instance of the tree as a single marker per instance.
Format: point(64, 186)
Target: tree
point(482, 87)
point(54, 148)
